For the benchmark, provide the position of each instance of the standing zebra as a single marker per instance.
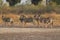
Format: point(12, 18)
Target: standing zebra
point(25, 19)
point(7, 20)
point(48, 22)
point(37, 18)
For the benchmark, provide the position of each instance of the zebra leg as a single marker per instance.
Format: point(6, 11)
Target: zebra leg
point(51, 24)
point(34, 22)
point(24, 23)
point(38, 23)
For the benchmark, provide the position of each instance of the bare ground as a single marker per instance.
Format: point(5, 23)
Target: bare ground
point(29, 34)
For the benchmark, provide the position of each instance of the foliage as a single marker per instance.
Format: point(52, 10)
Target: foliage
point(13, 2)
point(32, 9)
point(1, 3)
point(35, 2)
point(56, 1)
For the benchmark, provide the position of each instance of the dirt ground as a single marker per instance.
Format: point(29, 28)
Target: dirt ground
point(29, 34)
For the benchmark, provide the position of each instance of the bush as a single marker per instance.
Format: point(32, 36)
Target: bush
point(40, 9)
point(56, 1)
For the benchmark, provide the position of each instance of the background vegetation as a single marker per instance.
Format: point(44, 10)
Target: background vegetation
point(52, 7)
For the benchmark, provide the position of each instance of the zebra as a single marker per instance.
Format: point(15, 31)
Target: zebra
point(29, 20)
point(7, 20)
point(25, 19)
point(48, 21)
point(22, 18)
point(37, 18)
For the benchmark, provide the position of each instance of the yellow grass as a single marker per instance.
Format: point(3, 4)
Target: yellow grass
point(15, 17)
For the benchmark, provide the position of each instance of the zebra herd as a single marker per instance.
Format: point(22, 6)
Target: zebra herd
point(23, 19)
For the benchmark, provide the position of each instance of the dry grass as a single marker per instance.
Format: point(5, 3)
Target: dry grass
point(30, 10)
point(15, 17)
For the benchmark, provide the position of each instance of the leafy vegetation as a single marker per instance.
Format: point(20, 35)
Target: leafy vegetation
point(35, 2)
point(13, 2)
point(56, 1)
point(31, 8)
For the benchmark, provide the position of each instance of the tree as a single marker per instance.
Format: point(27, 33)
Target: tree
point(56, 1)
point(1, 3)
point(13, 2)
point(35, 2)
